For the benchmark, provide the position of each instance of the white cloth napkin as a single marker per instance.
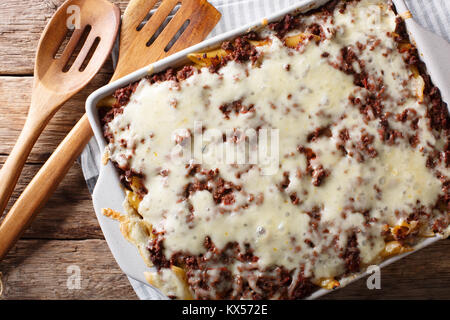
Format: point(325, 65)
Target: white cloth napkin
point(431, 14)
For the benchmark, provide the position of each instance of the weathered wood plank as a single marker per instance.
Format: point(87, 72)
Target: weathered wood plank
point(38, 269)
point(15, 95)
point(422, 275)
point(68, 214)
point(21, 25)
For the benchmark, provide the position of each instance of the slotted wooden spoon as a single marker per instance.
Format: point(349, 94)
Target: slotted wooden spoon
point(54, 82)
point(196, 17)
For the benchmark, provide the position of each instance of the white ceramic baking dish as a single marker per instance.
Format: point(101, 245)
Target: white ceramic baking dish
point(108, 192)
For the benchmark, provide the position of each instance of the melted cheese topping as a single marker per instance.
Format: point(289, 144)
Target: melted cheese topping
point(294, 91)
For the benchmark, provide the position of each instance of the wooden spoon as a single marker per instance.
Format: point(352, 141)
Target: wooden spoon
point(133, 54)
point(58, 78)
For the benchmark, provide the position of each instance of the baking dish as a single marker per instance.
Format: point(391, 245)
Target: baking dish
point(108, 192)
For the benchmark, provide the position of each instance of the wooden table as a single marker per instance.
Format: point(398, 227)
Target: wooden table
point(66, 234)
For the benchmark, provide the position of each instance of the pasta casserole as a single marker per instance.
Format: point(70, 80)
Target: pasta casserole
point(357, 168)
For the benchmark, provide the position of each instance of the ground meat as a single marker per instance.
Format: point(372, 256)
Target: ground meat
point(407, 114)
point(438, 111)
point(105, 117)
point(172, 74)
point(275, 282)
point(366, 145)
point(193, 187)
point(285, 183)
point(351, 255)
point(443, 203)
point(243, 50)
point(288, 23)
point(345, 63)
point(440, 225)
point(236, 107)
point(446, 154)
point(209, 276)
point(222, 191)
point(123, 95)
point(185, 73)
point(414, 140)
point(432, 159)
point(167, 75)
point(295, 199)
point(401, 233)
point(156, 250)
point(107, 114)
point(330, 6)
point(308, 152)
point(318, 133)
point(387, 134)
point(239, 50)
point(400, 30)
point(344, 135)
point(371, 104)
point(316, 30)
point(371, 107)
point(126, 176)
point(301, 288)
point(318, 175)
point(193, 169)
point(317, 172)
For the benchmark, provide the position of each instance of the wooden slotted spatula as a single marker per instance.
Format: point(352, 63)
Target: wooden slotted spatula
point(139, 46)
point(58, 78)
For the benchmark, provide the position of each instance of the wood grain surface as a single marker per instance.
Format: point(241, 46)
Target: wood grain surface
point(66, 234)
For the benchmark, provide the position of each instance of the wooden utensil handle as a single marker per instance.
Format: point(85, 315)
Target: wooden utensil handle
point(11, 169)
point(43, 185)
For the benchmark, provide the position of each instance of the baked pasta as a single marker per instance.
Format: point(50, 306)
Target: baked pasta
point(362, 160)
